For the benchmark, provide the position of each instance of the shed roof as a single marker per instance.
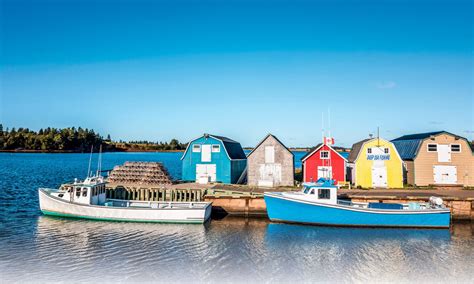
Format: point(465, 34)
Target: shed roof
point(316, 148)
point(233, 148)
point(263, 140)
point(409, 145)
point(356, 149)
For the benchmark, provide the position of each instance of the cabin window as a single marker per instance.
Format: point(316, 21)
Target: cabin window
point(311, 192)
point(84, 192)
point(369, 150)
point(196, 148)
point(432, 147)
point(216, 148)
point(386, 150)
point(455, 148)
point(306, 190)
point(78, 192)
point(324, 193)
point(324, 154)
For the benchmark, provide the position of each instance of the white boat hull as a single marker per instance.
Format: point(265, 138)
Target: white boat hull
point(51, 205)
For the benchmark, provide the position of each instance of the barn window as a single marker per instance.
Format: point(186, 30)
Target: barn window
point(323, 193)
point(386, 151)
point(216, 148)
point(369, 150)
point(455, 148)
point(324, 154)
point(196, 148)
point(432, 147)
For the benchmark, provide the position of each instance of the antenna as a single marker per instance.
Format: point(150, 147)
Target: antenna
point(329, 122)
point(378, 137)
point(90, 161)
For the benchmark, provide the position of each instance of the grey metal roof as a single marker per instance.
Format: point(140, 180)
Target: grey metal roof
point(420, 135)
point(356, 149)
point(233, 148)
point(263, 140)
point(407, 148)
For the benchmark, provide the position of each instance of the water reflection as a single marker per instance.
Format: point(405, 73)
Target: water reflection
point(234, 250)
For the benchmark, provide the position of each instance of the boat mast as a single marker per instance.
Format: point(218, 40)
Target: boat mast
point(90, 161)
point(99, 161)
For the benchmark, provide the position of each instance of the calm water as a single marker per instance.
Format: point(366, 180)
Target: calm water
point(36, 248)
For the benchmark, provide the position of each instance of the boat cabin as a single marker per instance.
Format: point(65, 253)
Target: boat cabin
point(91, 191)
point(323, 191)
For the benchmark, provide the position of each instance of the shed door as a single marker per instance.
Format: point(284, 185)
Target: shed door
point(444, 153)
point(324, 172)
point(379, 177)
point(205, 153)
point(205, 173)
point(270, 175)
point(445, 174)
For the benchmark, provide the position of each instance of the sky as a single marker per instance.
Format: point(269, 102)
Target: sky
point(156, 70)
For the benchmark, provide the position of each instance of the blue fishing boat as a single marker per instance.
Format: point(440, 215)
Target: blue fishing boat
point(317, 204)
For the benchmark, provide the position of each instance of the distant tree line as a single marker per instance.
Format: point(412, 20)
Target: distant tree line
point(73, 139)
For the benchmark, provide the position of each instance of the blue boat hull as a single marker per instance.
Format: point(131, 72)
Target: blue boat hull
point(284, 209)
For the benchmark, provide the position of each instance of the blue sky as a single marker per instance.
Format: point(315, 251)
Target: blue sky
point(158, 70)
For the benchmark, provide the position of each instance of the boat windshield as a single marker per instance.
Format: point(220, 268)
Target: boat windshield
point(306, 190)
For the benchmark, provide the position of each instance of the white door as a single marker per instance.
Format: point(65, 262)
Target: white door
point(270, 175)
point(205, 173)
point(205, 153)
point(379, 177)
point(445, 174)
point(324, 172)
point(444, 153)
point(269, 154)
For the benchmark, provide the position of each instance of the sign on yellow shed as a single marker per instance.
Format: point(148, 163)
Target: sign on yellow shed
point(375, 162)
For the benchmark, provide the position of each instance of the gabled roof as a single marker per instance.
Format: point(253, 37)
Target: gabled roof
point(263, 140)
point(356, 149)
point(408, 146)
point(232, 148)
point(315, 149)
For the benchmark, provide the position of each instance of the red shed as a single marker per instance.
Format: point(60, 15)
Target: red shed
point(324, 162)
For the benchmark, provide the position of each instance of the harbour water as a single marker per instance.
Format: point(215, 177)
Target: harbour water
point(38, 248)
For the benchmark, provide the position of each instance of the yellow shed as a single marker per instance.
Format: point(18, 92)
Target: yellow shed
point(375, 162)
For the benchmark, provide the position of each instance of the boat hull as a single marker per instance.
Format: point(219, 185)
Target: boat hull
point(281, 208)
point(54, 206)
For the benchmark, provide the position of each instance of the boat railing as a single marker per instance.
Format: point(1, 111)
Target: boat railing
point(350, 203)
point(153, 204)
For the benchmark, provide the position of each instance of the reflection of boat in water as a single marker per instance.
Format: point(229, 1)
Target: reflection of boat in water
point(317, 204)
point(278, 232)
point(87, 199)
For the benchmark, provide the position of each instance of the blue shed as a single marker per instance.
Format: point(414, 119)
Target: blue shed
point(212, 158)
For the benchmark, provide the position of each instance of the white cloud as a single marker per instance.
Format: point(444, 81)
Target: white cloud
point(386, 85)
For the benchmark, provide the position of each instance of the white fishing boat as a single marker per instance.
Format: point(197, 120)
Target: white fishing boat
point(87, 199)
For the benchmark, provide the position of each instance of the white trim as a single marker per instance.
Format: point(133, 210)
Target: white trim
point(189, 143)
point(428, 147)
point(320, 146)
point(451, 147)
point(325, 158)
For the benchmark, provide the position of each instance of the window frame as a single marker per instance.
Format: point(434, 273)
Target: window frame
point(324, 196)
point(456, 144)
point(324, 158)
point(431, 144)
point(218, 148)
point(369, 150)
point(196, 148)
point(386, 150)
